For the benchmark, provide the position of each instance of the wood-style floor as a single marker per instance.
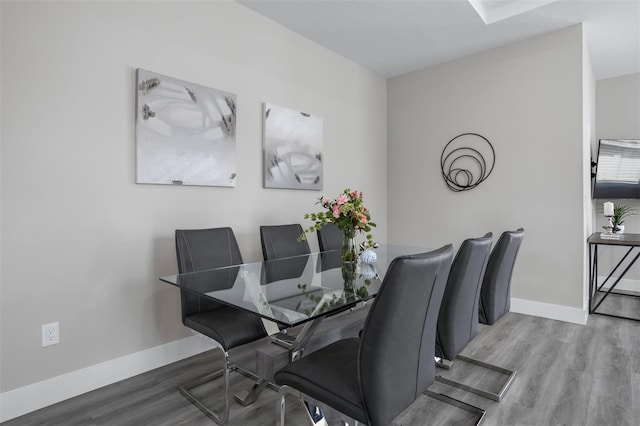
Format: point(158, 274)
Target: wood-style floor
point(567, 375)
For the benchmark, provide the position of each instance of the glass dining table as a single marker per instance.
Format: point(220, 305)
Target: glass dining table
point(300, 290)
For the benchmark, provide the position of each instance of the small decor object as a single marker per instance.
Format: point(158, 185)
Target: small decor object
point(368, 256)
point(185, 133)
point(617, 218)
point(368, 271)
point(352, 217)
point(608, 228)
point(292, 149)
point(466, 161)
point(615, 215)
point(608, 209)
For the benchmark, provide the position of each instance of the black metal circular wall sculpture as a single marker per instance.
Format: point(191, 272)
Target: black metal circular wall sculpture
point(466, 161)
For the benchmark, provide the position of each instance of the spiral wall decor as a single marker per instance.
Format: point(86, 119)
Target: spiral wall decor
point(466, 161)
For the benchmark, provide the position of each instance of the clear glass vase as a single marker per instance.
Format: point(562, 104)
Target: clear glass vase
point(349, 261)
point(349, 277)
point(349, 246)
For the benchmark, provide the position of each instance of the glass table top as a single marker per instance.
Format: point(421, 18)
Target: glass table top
point(297, 289)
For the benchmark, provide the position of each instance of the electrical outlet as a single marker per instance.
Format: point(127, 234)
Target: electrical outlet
point(50, 334)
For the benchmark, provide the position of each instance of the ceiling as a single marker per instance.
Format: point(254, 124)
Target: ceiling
point(393, 37)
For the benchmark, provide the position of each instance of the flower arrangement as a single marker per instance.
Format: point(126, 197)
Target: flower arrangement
point(348, 212)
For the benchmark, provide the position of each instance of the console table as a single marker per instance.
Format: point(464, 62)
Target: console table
point(632, 243)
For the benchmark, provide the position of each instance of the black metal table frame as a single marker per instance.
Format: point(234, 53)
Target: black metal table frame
point(594, 241)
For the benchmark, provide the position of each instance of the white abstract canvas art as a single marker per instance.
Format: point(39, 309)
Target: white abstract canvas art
point(185, 133)
point(292, 149)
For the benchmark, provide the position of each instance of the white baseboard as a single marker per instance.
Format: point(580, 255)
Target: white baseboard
point(33, 397)
point(548, 310)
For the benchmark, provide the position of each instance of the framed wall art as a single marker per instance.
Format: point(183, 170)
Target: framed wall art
point(185, 133)
point(292, 149)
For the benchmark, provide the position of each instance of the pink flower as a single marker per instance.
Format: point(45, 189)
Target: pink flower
point(346, 210)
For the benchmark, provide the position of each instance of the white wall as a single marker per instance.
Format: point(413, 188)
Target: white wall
point(618, 107)
point(588, 137)
point(84, 245)
point(618, 117)
point(526, 98)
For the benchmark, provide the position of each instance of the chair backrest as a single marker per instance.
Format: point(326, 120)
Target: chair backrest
point(201, 249)
point(280, 241)
point(495, 297)
point(395, 359)
point(283, 269)
point(458, 319)
point(330, 237)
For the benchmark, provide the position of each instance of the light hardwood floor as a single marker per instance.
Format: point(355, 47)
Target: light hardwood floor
point(567, 375)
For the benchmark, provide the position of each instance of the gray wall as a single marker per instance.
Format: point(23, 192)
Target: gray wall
point(618, 107)
point(84, 245)
point(527, 99)
point(588, 138)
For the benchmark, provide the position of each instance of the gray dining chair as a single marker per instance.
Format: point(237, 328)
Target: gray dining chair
point(280, 241)
point(495, 297)
point(373, 378)
point(330, 237)
point(202, 249)
point(458, 318)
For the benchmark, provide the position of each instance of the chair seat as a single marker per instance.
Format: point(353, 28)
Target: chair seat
point(230, 327)
point(329, 375)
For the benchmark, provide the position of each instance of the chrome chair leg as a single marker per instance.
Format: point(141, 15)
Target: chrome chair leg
point(282, 393)
point(185, 390)
point(496, 396)
point(244, 398)
point(285, 389)
point(443, 363)
point(249, 397)
point(282, 406)
point(479, 412)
